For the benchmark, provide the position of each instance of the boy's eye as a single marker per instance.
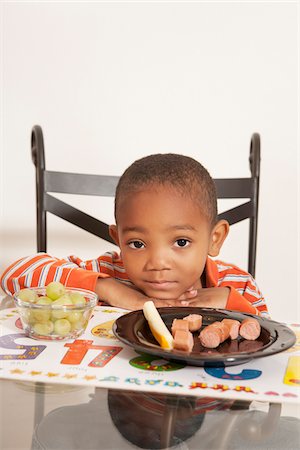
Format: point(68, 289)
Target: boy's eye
point(136, 244)
point(182, 242)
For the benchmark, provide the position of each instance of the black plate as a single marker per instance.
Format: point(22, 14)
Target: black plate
point(275, 337)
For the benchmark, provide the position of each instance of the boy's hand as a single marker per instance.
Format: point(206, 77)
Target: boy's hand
point(123, 296)
point(189, 294)
point(118, 294)
point(215, 297)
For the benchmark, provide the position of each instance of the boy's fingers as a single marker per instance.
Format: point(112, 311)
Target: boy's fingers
point(188, 294)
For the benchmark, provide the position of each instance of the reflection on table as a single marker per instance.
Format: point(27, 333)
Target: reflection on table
point(118, 419)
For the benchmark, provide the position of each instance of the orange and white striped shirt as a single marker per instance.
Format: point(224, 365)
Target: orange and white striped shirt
point(41, 269)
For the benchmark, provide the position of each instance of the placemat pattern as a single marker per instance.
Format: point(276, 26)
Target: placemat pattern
point(99, 359)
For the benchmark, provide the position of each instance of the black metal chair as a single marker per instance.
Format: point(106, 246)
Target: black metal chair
point(103, 185)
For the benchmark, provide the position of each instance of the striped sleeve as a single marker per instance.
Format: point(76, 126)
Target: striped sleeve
point(244, 293)
point(40, 269)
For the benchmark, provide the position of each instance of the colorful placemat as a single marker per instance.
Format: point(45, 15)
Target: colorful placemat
point(99, 359)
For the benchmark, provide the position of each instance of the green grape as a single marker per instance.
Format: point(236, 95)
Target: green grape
point(79, 325)
point(30, 319)
point(42, 315)
point(62, 301)
point(74, 316)
point(28, 295)
point(77, 298)
point(43, 328)
point(55, 289)
point(62, 327)
point(44, 300)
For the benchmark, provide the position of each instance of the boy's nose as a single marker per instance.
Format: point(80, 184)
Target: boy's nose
point(157, 260)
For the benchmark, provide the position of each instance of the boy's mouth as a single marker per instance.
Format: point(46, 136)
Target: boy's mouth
point(161, 285)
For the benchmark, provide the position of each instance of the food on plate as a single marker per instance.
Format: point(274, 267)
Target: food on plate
point(217, 332)
point(194, 321)
point(213, 335)
point(183, 340)
point(234, 326)
point(224, 329)
point(210, 337)
point(179, 324)
point(250, 329)
point(157, 325)
point(54, 311)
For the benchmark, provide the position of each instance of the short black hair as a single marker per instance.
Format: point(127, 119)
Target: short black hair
point(180, 172)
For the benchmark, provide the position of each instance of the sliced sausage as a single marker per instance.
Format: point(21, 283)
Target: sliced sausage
point(210, 336)
point(224, 330)
point(179, 324)
point(183, 340)
point(214, 334)
point(194, 321)
point(250, 329)
point(234, 326)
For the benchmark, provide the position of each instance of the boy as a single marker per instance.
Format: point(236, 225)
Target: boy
point(167, 230)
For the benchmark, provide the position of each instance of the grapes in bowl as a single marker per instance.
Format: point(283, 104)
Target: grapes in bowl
point(54, 312)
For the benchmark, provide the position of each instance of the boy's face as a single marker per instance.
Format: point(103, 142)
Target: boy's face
point(164, 241)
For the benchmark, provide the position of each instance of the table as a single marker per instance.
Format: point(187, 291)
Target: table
point(46, 406)
point(97, 418)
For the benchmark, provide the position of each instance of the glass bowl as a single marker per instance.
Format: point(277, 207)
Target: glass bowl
point(53, 321)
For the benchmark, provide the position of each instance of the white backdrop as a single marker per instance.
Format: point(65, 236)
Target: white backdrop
point(113, 81)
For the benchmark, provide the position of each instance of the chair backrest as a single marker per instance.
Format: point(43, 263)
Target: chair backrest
point(104, 185)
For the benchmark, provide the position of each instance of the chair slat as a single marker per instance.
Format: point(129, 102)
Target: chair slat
point(77, 217)
point(82, 184)
point(239, 213)
point(234, 187)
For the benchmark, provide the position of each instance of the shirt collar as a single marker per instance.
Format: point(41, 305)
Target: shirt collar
point(211, 272)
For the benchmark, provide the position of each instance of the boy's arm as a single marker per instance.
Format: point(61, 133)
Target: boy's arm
point(221, 297)
point(243, 296)
point(98, 276)
point(246, 303)
point(118, 294)
point(40, 269)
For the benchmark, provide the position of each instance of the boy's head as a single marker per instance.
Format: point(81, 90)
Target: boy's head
point(181, 173)
point(166, 224)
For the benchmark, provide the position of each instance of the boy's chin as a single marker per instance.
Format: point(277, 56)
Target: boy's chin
point(168, 296)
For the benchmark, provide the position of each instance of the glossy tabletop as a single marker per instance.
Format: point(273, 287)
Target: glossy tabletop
point(54, 416)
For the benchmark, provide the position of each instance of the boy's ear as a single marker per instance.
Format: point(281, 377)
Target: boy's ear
point(113, 232)
point(218, 236)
